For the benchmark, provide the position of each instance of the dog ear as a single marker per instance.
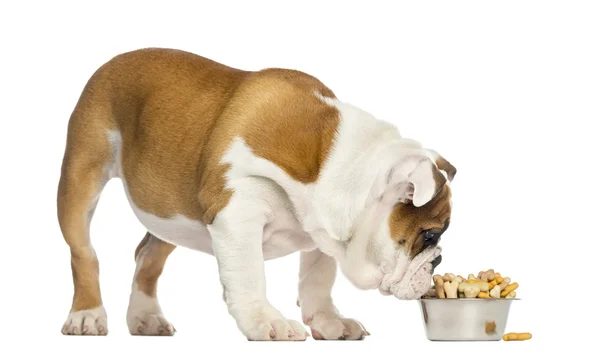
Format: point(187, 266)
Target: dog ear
point(443, 165)
point(416, 178)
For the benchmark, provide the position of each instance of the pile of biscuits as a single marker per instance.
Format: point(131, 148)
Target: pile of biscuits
point(487, 284)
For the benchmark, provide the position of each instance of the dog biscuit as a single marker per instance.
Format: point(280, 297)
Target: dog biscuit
point(509, 289)
point(495, 292)
point(487, 284)
point(513, 336)
point(439, 287)
point(451, 289)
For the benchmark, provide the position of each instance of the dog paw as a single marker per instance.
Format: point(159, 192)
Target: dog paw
point(262, 322)
point(331, 327)
point(276, 330)
point(150, 325)
point(86, 322)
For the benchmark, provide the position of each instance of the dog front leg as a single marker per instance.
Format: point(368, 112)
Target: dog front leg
point(317, 276)
point(237, 234)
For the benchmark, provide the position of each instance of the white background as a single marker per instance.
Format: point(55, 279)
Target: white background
point(507, 91)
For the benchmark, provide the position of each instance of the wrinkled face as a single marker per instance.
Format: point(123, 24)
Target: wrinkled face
point(412, 229)
point(395, 246)
point(410, 245)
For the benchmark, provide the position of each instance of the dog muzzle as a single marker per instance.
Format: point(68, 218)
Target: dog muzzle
point(411, 279)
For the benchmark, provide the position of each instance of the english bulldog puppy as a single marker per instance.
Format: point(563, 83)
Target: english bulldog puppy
point(248, 166)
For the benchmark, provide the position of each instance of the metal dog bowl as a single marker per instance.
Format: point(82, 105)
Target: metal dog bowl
point(465, 319)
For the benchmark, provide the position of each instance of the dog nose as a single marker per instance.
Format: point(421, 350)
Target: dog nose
point(431, 238)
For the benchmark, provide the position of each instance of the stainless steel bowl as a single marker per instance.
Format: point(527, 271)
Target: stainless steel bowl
point(465, 319)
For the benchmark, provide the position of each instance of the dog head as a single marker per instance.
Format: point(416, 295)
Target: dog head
point(395, 244)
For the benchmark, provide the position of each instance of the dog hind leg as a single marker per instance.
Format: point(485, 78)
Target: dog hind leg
point(84, 174)
point(144, 315)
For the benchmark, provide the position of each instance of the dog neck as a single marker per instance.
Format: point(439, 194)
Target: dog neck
point(354, 177)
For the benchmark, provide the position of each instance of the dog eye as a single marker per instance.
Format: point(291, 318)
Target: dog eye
point(430, 235)
point(431, 238)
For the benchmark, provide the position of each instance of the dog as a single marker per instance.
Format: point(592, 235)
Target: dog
point(248, 166)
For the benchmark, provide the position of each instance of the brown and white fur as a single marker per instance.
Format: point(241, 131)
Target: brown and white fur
point(248, 166)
